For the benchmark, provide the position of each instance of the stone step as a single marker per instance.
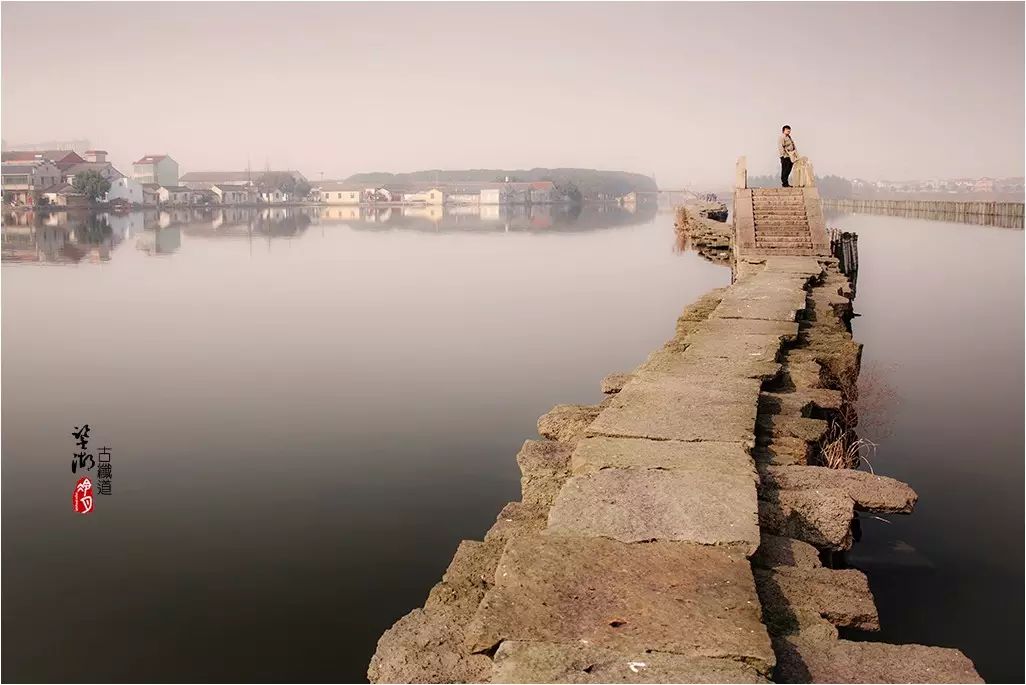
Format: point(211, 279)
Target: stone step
point(763, 238)
point(776, 191)
point(783, 251)
point(799, 231)
point(774, 201)
point(782, 224)
point(782, 230)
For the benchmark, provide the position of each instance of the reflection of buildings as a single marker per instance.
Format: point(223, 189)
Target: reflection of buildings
point(438, 218)
point(58, 237)
point(160, 241)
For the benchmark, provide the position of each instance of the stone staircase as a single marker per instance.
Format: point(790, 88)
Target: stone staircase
point(781, 222)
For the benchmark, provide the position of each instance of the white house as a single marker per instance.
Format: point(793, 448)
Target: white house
point(126, 190)
point(174, 195)
point(159, 169)
point(151, 193)
point(231, 194)
point(501, 195)
point(340, 194)
point(273, 196)
point(435, 196)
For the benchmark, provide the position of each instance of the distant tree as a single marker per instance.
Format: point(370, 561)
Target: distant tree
point(570, 191)
point(283, 182)
point(91, 184)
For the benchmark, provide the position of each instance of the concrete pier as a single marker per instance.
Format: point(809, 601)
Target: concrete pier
point(676, 532)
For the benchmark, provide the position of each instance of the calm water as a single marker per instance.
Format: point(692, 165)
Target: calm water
point(306, 415)
point(941, 309)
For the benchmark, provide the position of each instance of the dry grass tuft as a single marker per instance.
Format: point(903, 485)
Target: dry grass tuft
point(841, 448)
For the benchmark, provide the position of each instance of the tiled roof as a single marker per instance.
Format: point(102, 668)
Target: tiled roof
point(149, 159)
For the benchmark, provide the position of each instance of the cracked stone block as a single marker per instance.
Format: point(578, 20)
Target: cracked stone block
point(775, 550)
point(678, 364)
point(781, 451)
point(692, 600)
point(765, 295)
point(711, 408)
point(544, 467)
point(429, 645)
point(798, 427)
point(794, 598)
point(601, 452)
point(870, 492)
point(641, 505)
point(800, 403)
point(426, 646)
point(567, 422)
point(546, 662)
point(820, 517)
point(469, 576)
point(841, 661)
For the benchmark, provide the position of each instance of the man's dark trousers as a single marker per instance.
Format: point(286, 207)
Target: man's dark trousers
point(785, 170)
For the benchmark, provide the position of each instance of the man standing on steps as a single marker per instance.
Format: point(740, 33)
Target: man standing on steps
point(788, 155)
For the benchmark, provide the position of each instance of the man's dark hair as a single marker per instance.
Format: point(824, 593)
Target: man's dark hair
point(785, 128)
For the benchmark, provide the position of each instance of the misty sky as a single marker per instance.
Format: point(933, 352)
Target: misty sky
point(875, 90)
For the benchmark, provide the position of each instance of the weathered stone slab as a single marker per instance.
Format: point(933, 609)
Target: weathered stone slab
point(869, 492)
point(800, 403)
point(775, 296)
point(427, 647)
point(781, 451)
point(793, 598)
point(469, 576)
point(640, 505)
point(820, 517)
point(711, 408)
point(544, 467)
point(672, 597)
point(842, 661)
point(775, 550)
point(567, 422)
point(614, 382)
point(678, 364)
point(516, 518)
point(600, 452)
point(800, 427)
point(547, 662)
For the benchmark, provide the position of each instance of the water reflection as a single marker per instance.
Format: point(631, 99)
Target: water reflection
point(71, 237)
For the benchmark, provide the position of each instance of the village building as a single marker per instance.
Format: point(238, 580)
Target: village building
point(174, 195)
point(201, 196)
point(65, 195)
point(105, 169)
point(62, 158)
point(340, 194)
point(151, 193)
point(125, 189)
point(273, 196)
point(226, 194)
point(23, 182)
point(159, 169)
point(434, 196)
